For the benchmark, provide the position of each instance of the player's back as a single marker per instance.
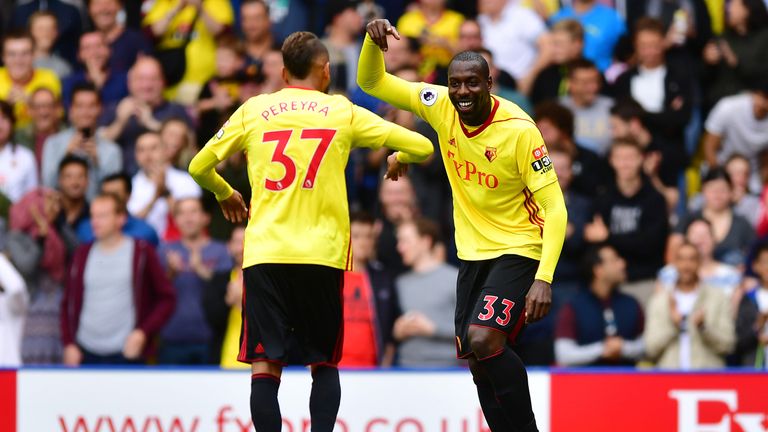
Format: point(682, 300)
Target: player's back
point(297, 143)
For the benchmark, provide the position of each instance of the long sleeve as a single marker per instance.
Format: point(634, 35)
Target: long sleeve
point(569, 353)
point(202, 168)
point(660, 331)
point(555, 221)
point(369, 128)
point(373, 78)
point(719, 332)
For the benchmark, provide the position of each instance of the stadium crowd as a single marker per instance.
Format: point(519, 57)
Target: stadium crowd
point(654, 113)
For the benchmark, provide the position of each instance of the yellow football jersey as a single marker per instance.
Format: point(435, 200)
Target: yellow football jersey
point(493, 170)
point(41, 78)
point(297, 142)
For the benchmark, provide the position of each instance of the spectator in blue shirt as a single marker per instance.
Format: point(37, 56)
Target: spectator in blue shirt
point(603, 27)
point(120, 184)
point(199, 269)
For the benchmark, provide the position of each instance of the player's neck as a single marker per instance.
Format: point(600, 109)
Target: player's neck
point(307, 83)
point(478, 119)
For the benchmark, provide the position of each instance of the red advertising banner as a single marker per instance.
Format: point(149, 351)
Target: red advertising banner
point(642, 402)
point(7, 401)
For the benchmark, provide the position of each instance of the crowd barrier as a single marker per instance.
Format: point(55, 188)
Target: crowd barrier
point(212, 400)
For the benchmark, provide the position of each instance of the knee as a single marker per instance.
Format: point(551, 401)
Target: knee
point(485, 342)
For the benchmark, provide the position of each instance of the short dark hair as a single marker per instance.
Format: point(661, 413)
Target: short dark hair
point(558, 115)
point(122, 177)
point(592, 259)
point(300, 50)
point(361, 216)
point(650, 25)
point(578, 64)
point(232, 43)
point(717, 173)
point(18, 34)
point(85, 87)
point(628, 109)
point(120, 206)
point(476, 58)
point(427, 228)
point(72, 160)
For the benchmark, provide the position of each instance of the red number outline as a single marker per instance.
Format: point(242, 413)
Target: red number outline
point(489, 311)
point(508, 304)
point(283, 137)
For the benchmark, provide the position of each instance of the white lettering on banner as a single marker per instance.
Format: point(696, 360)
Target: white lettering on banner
point(218, 401)
point(688, 412)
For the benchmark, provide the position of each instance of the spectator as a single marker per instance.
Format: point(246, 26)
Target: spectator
point(71, 24)
point(199, 269)
point(601, 327)
point(738, 124)
point(591, 111)
point(143, 110)
point(128, 42)
point(752, 318)
point(45, 111)
point(371, 305)
point(193, 25)
point(119, 185)
point(690, 327)
point(257, 31)
point(117, 296)
point(38, 252)
point(631, 217)
point(343, 42)
point(179, 142)
point(157, 185)
point(82, 139)
point(663, 156)
point(436, 28)
point(272, 69)
point(234, 299)
point(220, 95)
point(44, 28)
point(568, 274)
point(605, 28)
point(556, 124)
point(470, 36)
point(427, 294)
point(398, 205)
point(735, 60)
point(94, 55)
point(14, 301)
point(733, 233)
point(567, 44)
point(664, 92)
point(19, 78)
point(513, 33)
point(745, 204)
point(16, 163)
point(712, 273)
point(72, 185)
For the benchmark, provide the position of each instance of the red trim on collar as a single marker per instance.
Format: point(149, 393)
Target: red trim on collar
point(299, 87)
point(483, 126)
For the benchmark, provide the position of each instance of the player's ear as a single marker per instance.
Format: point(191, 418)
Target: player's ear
point(327, 70)
point(490, 82)
point(285, 75)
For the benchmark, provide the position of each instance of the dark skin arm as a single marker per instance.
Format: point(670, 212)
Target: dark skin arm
point(234, 208)
point(538, 301)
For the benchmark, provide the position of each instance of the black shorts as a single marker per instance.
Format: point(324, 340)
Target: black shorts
point(491, 293)
point(292, 314)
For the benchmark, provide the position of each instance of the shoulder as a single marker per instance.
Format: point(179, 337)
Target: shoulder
point(452, 17)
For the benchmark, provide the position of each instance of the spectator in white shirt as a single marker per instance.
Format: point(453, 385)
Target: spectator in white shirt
point(157, 184)
point(18, 169)
point(14, 301)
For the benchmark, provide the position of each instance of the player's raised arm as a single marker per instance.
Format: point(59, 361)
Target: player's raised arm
point(202, 168)
point(372, 76)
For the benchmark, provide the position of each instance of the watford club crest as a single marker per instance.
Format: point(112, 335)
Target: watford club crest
point(490, 153)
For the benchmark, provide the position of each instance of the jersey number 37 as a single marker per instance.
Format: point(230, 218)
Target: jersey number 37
point(282, 137)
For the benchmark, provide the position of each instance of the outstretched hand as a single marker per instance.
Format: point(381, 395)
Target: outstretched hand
point(234, 208)
point(379, 29)
point(395, 169)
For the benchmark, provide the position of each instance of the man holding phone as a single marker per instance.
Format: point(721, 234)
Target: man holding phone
point(82, 139)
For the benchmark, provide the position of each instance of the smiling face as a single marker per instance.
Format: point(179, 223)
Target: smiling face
point(469, 88)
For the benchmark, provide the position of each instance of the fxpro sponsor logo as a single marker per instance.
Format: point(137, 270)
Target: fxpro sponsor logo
point(689, 403)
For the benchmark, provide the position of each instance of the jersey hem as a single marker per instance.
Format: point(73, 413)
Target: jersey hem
point(293, 260)
point(496, 254)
